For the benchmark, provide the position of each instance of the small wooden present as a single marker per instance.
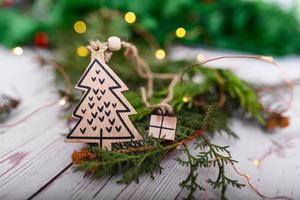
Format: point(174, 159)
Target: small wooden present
point(163, 127)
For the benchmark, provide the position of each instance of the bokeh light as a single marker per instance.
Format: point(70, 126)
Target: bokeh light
point(180, 32)
point(130, 17)
point(160, 54)
point(200, 57)
point(17, 51)
point(80, 27)
point(185, 99)
point(82, 51)
point(256, 163)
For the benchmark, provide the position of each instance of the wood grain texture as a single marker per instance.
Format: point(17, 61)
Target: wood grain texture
point(163, 186)
point(32, 152)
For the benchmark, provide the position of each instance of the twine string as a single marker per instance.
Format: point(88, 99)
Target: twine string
point(143, 70)
point(29, 115)
point(243, 175)
point(253, 188)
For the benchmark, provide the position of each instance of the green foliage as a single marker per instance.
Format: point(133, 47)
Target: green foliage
point(17, 29)
point(261, 27)
point(190, 183)
point(235, 89)
point(144, 159)
point(130, 166)
point(216, 120)
point(209, 155)
point(243, 93)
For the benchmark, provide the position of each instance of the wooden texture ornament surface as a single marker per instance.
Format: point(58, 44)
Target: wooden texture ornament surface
point(103, 111)
point(163, 127)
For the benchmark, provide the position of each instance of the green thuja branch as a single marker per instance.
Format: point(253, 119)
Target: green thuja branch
point(144, 159)
point(216, 120)
point(209, 155)
point(236, 90)
point(220, 156)
point(209, 115)
point(193, 163)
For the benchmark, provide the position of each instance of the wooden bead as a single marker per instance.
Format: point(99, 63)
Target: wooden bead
point(114, 43)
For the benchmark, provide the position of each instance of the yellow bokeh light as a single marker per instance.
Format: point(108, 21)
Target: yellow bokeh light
point(200, 57)
point(17, 51)
point(130, 17)
point(180, 32)
point(257, 163)
point(80, 27)
point(82, 51)
point(160, 54)
point(185, 99)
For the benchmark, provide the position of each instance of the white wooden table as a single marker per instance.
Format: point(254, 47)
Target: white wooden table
point(35, 162)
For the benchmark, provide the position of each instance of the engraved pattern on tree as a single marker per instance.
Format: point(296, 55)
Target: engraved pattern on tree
point(103, 111)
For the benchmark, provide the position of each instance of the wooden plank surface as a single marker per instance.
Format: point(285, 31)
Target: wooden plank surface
point(32, 152)
point(34, 161)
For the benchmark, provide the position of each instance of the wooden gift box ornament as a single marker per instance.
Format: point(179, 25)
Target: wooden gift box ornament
point(162, 126)
point(103, 111)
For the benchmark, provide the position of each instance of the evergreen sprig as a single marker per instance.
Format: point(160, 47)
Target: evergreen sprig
point(216, 121)
point(190, 183)
point(209, 155)
point(130, 165)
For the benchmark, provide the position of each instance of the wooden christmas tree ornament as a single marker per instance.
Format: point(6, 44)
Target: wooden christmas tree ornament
point(103, 112)
point(163, 127)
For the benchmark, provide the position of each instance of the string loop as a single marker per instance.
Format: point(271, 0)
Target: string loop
point(101, 50)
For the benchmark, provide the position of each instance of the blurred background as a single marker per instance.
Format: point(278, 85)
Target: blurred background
point(264, 27)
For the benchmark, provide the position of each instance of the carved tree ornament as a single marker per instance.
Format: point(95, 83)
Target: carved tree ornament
point(103, 111)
